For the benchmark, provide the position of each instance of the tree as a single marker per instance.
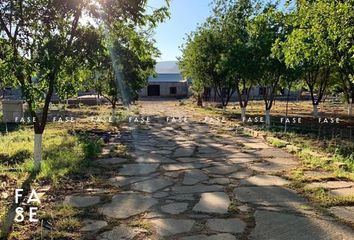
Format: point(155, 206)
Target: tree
point(44, 36)
point(340, 18)
point(309, 47)
point(240, 61)
point(129, 58)
point(265, 29)
point(5, 75)
point(191, 66)
point(203, 61)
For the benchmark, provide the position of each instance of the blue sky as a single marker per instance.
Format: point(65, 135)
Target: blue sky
point(185, 17)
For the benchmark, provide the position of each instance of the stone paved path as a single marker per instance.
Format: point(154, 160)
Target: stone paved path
point(186, 181)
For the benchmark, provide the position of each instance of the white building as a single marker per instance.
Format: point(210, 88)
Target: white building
point(168, 82)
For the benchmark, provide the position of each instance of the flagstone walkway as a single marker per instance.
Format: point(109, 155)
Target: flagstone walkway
point(187, 181)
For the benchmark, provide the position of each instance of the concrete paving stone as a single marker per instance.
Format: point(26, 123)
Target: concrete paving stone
point(90, 225)
point(229, 225)
point(244, 173)
point(182, 197)
point(168, 148)
point(213, 145)
point(243, 160)
point(193, 160)
point(182, 166)
point(121, 232)
point(330, 185)
point(217, 202)
point(264, 180)
point(243, 208)
point(198, 188)
point(145, 148)
point(151, 185)
point(207, 149)
point(256, 145)
point(153, 158)
point(343, 192)
point(138, 169)
point(174, 208)
point(199, 216)
point(93, 191)
point(242, 157)
point(217, 155)
point(220, 181)
point(168, 227)
point(269, 196)
point(112, 161)
point(121, 181)
point(194, 176)
point(268, 167)
point(220, 236)
point(160, 195)
point(237, 155)
point(280, 226)
point(184, 152)
point(127, 205)
point(272, 153)
point(282, 161)
point(172, 174)
point(165, 140)
point(155, 214)
point(81, 201)
point(163, 152)
point(223, 169)
point(345, 213)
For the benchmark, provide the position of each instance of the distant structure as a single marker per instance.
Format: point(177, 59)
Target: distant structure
point(169, 82)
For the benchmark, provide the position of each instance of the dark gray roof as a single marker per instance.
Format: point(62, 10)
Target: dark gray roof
point(167, 77)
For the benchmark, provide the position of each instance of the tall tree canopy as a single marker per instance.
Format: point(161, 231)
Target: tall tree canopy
point(45, 38)
point(310, 47)
point(127, 59)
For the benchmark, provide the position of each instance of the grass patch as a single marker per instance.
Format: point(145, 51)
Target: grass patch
point(144, 224)
point(322, 197)
point(277, 142)
point(63, 153)
point(56, 221)
point(233, 208)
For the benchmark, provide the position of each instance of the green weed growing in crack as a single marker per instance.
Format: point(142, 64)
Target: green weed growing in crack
point(144, 224)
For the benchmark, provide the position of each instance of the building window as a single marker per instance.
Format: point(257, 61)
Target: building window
point(173, 90)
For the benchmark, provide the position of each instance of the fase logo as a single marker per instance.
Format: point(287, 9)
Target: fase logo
point(32, 210)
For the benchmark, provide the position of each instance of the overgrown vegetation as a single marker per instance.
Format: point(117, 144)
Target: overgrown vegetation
point(63, 153)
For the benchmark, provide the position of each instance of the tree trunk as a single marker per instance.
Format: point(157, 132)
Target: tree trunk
point(37, 151)
point(243, 113)
point(315, 110)
point(287, 108)
point(267, 117)
point(199, 101)
point(350, 109)
point(114, 112)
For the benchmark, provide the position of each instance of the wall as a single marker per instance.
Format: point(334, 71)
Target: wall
point(182, 89)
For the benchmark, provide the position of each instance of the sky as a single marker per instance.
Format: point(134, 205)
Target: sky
point(185, 17)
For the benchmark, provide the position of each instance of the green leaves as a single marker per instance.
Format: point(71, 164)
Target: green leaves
point(321, 40)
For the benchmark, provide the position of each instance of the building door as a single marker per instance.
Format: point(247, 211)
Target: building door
point(153, 90)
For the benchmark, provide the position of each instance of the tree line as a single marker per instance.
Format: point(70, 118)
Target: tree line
point(58, 47)
point(309, 44)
